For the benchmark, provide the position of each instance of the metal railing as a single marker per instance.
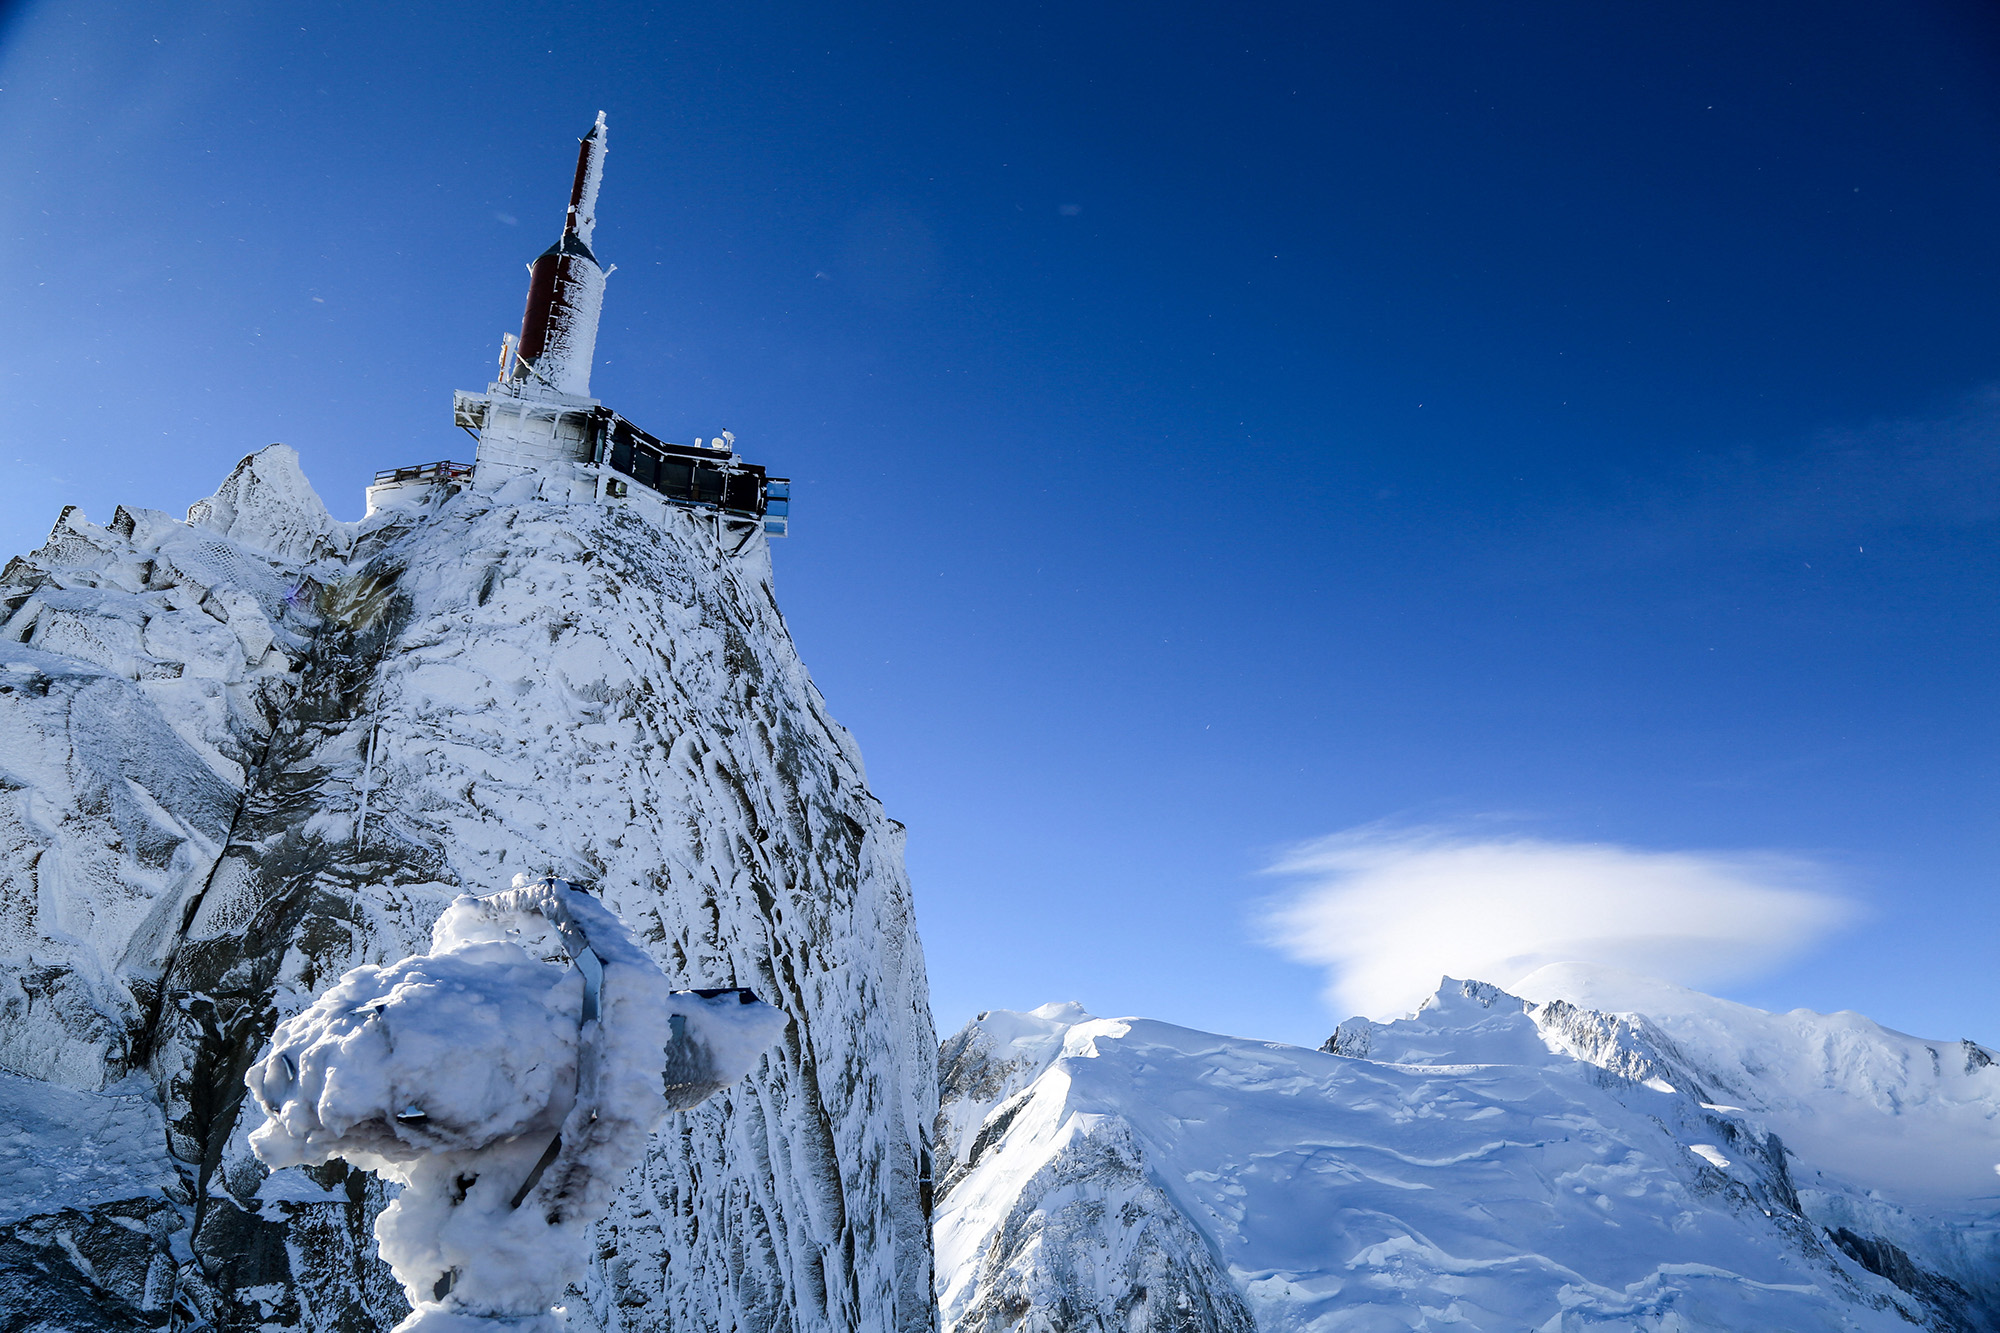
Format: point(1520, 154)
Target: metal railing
point(440, 471)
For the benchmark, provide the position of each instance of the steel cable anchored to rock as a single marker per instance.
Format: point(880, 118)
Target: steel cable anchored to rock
point(508, 1079)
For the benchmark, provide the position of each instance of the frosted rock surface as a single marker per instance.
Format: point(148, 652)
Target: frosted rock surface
point(243, 754)
point(1487, 1164)
point(67, 1151)
point(266, 505)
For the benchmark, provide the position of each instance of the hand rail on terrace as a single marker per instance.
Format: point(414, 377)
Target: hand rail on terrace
point(444, 470)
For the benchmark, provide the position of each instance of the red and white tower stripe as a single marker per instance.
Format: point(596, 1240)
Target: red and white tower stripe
point(566, 290)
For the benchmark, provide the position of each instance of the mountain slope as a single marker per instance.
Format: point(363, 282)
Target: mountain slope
point(241, 754)
point(1487, 1164)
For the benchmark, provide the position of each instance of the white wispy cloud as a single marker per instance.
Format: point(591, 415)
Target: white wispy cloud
point(1389, 910)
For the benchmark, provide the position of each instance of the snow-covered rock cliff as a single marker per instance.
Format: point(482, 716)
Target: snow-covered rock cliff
point(244, 753)
point(1489, 1163)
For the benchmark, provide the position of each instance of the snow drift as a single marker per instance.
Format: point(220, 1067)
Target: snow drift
point(243, 754)
point(1489, 1163)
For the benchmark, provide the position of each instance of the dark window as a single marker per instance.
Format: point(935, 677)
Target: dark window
point(677, 478)
point(741, 492)
point(708, 486)
point(644, 468)
point(621, 456)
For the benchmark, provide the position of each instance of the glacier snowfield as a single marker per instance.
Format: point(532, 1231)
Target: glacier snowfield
point(1489, 1163)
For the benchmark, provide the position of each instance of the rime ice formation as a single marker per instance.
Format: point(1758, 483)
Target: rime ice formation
point(566, 288)
point(508, 1095)
point(244, 754)
point(1486, 1164)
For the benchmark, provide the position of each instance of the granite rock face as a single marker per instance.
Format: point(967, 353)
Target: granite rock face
point(243, 753)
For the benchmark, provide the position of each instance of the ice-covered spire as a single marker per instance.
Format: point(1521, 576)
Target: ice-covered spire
point(566, 291)
point(589, 175)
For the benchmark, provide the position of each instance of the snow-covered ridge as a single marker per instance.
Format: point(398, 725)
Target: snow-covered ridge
point(1488, 1163)
point(1870, 1109)
point(244, 753)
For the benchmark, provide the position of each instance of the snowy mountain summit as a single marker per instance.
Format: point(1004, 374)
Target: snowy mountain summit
point(244, 753)
point(1600, 1152)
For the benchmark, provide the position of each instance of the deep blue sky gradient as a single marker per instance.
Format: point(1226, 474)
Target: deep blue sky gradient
point(1213, 426)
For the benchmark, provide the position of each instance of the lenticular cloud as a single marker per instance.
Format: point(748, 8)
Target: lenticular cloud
point(1388, 911)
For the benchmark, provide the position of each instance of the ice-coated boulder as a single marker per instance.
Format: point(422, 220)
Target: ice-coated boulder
point(507, 1093)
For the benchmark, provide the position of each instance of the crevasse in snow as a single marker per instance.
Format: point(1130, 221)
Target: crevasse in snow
point(243, 754)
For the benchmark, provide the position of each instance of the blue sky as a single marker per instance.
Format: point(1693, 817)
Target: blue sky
point(1215, 429)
